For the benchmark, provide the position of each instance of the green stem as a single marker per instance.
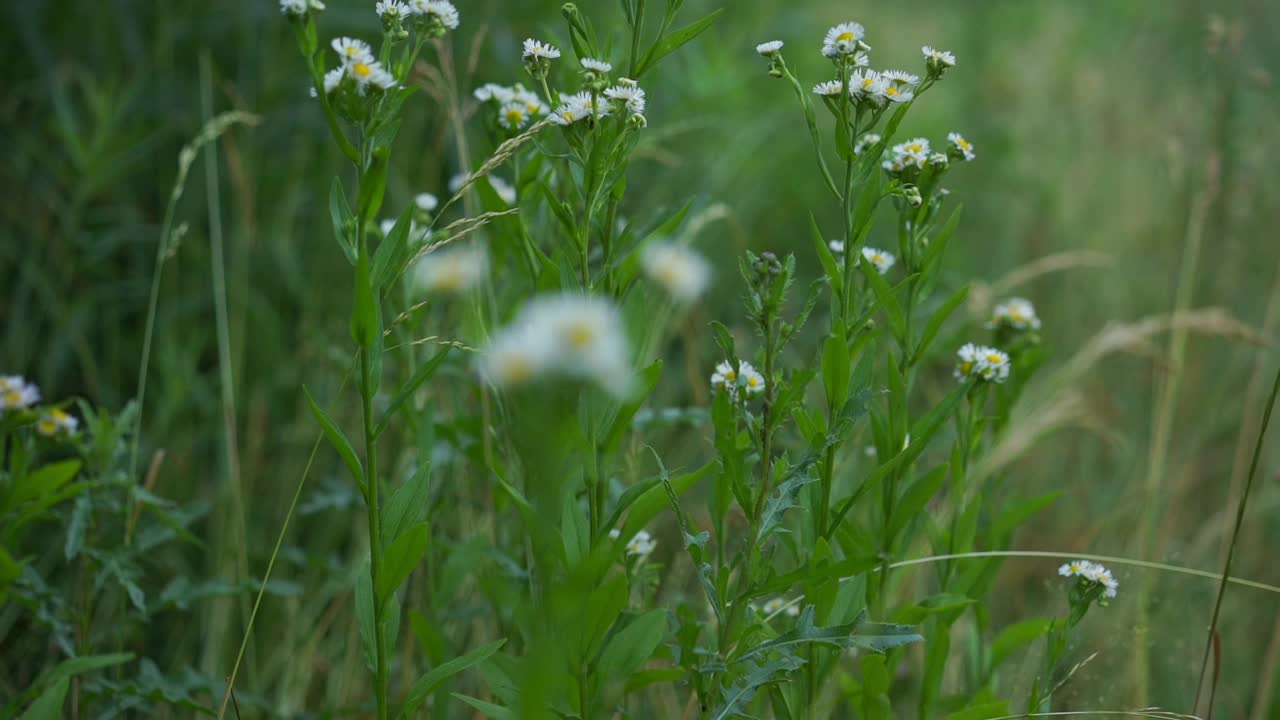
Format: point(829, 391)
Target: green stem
point(375, 534)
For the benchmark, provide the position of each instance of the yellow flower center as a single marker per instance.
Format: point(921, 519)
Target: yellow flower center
point(966, 367)
point(915, 147)
point(515, 368)
point(891, 91)
point(531, 107)
point(12, 397)
point(731, 376)
point(1016, 315)
point(844, 37)
point(867, 83)
point(47, 426)
point(515, 117)
point(361, 70)
point(995, 359)
point(352, 51)
point(963, 144)
point(581, 335)
point(567, 116)
point(753, 381)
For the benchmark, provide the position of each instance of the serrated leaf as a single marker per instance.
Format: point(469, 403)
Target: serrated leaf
point(737, 696)
point(784, 497)
point(434, 678)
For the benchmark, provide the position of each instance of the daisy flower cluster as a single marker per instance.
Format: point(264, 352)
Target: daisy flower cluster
point(728, 379)
point(682, 272)
point(981, 362)
point(56, 421)
point(16, 393)
point(1091, 572)
point(881, 260)
point(598, 100)
point(779, 604)
point(571, 335)
point(640, 545)
point(1014, 314)
point(516, 106)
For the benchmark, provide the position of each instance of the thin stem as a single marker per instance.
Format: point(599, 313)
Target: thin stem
point(1235, 538)
point(375, 535)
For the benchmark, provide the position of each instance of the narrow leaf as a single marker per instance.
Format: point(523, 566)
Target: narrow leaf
point(338, 440)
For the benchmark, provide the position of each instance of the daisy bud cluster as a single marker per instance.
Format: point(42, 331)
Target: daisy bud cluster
point(1092, 576)
point(17, 395)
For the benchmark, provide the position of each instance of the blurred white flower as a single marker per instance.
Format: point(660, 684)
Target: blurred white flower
point(865, 142)
point(938, 58)
point(745, 376)
point(505, 191)
point(534, 49)
point(628, 96)
point(879, 259)
point(454, 269)
point(993, 365)
point(16, 393)
point(642, 544)
point(444, 12)
point(684, 273)
point(598, 66)
point(769, 48)
point(583, 336)
point(900, 77)
point(293, 7)
point(391, 9)
point(513, 116)
point(426, 202)
point(837, 246)
point(1017, 313)
point(1092, 572)
point(56, 421)
point(532, 103)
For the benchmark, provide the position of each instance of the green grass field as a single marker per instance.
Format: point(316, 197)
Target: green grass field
point(1125, 182)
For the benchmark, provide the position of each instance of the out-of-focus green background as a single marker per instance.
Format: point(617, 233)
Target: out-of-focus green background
point(1136, 140)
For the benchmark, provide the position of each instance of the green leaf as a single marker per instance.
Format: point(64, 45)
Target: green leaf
point(861, 633)
point(606, 603)
point(939, 317)
point(837, 371)
point(420, 376)
point(651, 502)
point(1015, 636)
point(622, 421)
point(392, 252)
point(887, 300)
point(434, 678)
point(489, 710)
point(42, 482)
point(834, 275)
point(338, 440)
point(875, 689)
point(401, 558)
point(673, 41)
point(364, 614)
point(915, 499)
point(343, 221)
point(933, 605)
point(784, 497)
point(1009, 519)
point(737, 696)
point(364, 312)
point(633, 645)
point(407, 505)
point(49, 705)
point(575, 534)
point(985, 711)
point(71, 667)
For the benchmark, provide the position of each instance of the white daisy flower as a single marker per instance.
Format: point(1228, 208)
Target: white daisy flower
point(865, 142)
point(879, 259)
point(938, 58)
point(579, 106)
point(382, 79)
point(442, 11)
point(513, 116)
point(293, 7)
point(684, 273)
point(830, 88)
point(641, 544)
point(938, 159)
point(332, 80)
point(368, 73)
point(866, 85)
point(1016, 313)
point(960, 148)
point(993, 365)
point(900, 77)
point(842, 39)
point(454, 270)
point(917, 147)
point(506, 193)
point(628, 82)
point(837, 246)
point(426, 202)
point(484, 93)
point(391, 9)
point(631, 97)
point(770, 48)
point(774, 605)
point(535, 50)
point(750, 379)
point(968, 361)
point(898, 93)
point(728, 379)
point(17, 394)
point(56, 421)
point(724, 376)
point(532, 103)
point(1073, 568)
point(352, 51)
point(597, 66)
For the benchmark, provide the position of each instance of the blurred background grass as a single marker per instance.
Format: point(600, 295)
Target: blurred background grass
point(1137, 130)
